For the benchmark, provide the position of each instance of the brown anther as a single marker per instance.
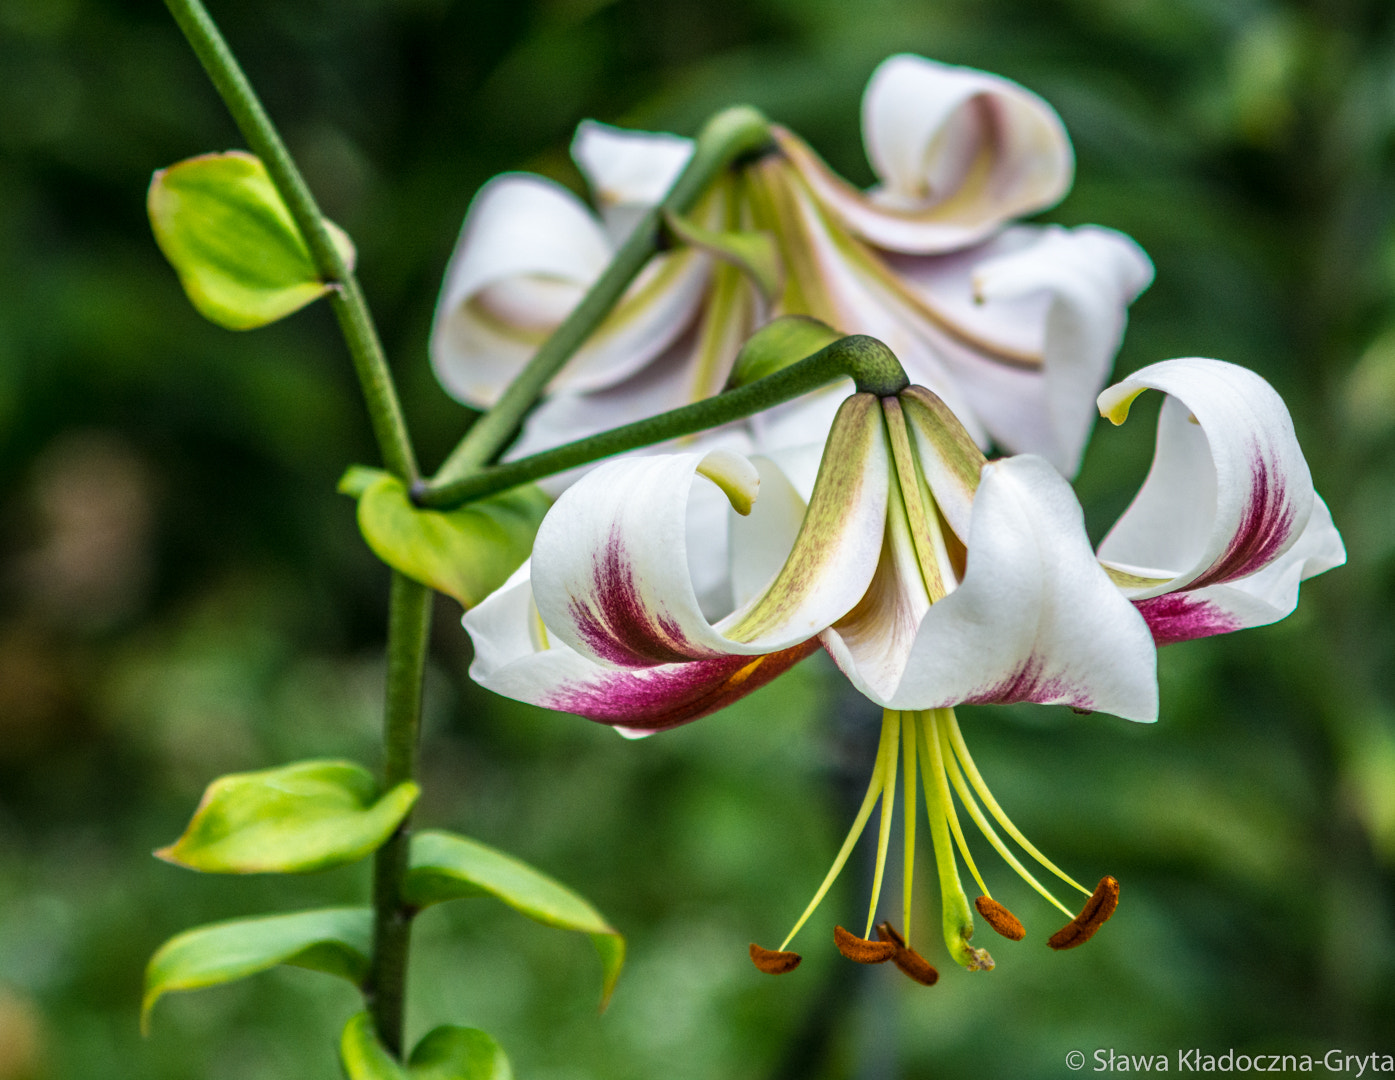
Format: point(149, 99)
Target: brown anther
point(772, 961)
point(887, 932)
point(860, 950)
point(906, 958)
point(1092, 916)
point(1000, 918)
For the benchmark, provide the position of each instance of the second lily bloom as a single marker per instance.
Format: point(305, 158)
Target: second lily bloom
point(1014, 327)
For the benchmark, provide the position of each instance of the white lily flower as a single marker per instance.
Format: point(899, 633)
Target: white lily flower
point(1015, 327)
point(932, 577)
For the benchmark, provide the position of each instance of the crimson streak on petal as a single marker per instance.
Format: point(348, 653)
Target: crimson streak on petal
point(1177, 617)
point(661, 697)
point(617, 624)
point(1029, 683)
point(1267, 525)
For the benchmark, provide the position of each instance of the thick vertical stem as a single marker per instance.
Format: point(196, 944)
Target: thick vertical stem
point(223, 70)
point(409, 622)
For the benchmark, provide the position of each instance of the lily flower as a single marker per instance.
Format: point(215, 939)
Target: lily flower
point(1015, 327)
point(932, 577)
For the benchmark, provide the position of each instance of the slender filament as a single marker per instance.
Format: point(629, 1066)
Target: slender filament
point(985, 826)
point(869, 800)
point(886, 761)
point(976, 778)
point(908, 815)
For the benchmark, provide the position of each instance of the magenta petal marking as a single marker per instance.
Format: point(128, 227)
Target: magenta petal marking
point(656, 698)
point(1178, 617)
point(619, 626)
point(1265, 527)
point(1030, 683)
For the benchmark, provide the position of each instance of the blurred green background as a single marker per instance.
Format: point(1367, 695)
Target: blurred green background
point(182, 593)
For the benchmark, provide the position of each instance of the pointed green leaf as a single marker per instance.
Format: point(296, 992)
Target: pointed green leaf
point(466, 553)
point(228, 234)
point(290, 820)
point(336, 941)
point(754, 253)
point(778, 344)
point(445, 1053)
point(449, 867)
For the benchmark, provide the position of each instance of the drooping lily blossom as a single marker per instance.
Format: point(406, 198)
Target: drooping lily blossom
point(1014, 327)
point(932, 577)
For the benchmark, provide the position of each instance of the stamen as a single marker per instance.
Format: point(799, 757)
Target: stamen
point(773, 961)
point(860, 950)
point(906, 958)
point(984, 826)
point(1000, 918)
point(1092, 916)
point(886, 761)
point(976, 778)
point(957, 923)
point(908, 813)
point(869, 800)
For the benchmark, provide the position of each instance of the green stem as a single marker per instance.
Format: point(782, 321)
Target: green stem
point(384, 410)
point(409, 621)
point(866, 360)
point(729, 135)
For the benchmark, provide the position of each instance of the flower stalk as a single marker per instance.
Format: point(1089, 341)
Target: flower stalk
point(865, 360)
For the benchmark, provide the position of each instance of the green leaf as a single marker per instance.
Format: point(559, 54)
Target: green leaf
point(336, 941)
point(754, 253)
point(231, 239)
point(466, 553)
point(445, 1053)
point(291, 820)
point(778, 344)
point(449, 867)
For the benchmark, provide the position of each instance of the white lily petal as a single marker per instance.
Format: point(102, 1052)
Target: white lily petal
point(629, 171)
point(610, 564)
point(528, 252)
point(1263, 597)
point(543, 671)
point(1060, 295)
point(1035, 617)
point(1229, 490)
point(959, 152)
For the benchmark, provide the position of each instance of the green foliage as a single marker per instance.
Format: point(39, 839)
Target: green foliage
point(753, 253)
point(333, 940)
point(449, 867)
point(465, 553)
point(445, 1053)
point(290, 820)
point(778, 344)
point(230, 237)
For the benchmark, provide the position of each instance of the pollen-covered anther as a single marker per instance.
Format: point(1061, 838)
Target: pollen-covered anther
point(907, 959)
point(860, 950)
point(1000, 918)
point(1092, 916)
point(773, 961)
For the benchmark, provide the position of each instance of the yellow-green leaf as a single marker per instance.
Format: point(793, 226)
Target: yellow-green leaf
point(778, 344)
point(336, 941)
point(449, 867)
point(754, 253)
point(466, 553)
point(445, 1053)
point(228, 234)
point(290, 820)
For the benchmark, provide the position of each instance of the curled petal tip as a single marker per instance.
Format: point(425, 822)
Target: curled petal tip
point(773, 961)
point(1093, 915)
